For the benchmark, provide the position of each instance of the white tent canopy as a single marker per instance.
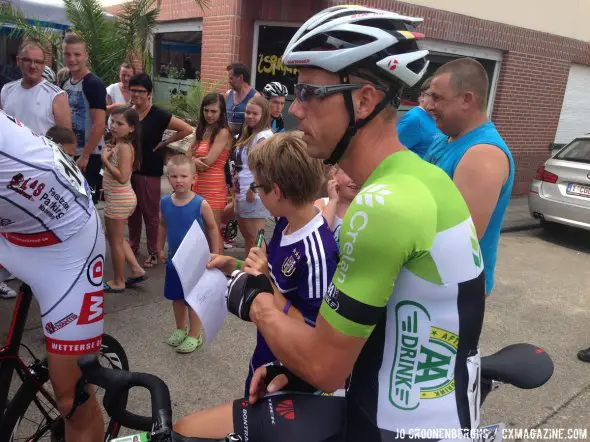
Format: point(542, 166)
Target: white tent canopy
point(49, 13)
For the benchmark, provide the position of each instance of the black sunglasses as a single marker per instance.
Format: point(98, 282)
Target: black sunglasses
point(254, 187)
point(304, 91)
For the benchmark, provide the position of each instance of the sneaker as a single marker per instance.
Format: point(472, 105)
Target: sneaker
point(227, 245)
point(6, 292)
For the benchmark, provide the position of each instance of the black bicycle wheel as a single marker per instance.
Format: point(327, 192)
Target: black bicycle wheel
point(38, 417)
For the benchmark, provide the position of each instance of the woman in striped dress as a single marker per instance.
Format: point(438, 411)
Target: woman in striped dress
point(120, 199)
point(213, 142)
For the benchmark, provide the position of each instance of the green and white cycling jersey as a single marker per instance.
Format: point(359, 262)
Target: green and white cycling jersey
point(410, 280)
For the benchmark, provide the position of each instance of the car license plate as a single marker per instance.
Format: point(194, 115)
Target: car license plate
point(578, 189)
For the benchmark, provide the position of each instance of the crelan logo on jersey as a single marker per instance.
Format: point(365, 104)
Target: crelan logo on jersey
point(357, 223)
point(424, 355)
point(374, 193)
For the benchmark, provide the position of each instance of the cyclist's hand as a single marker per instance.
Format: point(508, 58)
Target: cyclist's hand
point(257, 262)
point(227, 264)
point(242, 289)
point(258, 387)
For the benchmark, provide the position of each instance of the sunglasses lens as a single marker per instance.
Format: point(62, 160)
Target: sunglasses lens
point(301, 92)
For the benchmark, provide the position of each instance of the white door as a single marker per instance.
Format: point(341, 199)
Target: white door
point(575, 111)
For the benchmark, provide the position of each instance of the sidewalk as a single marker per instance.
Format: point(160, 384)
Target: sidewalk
point(518, 216)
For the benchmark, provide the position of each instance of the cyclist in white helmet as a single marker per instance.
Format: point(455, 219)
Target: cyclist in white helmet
point(275, 93)
point(51, 238)
point(49, 75)
point(403, 315)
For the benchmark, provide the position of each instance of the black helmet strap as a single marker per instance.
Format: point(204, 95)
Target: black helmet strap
point(353, 124)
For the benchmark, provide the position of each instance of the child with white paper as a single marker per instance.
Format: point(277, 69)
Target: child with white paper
point(178, 212)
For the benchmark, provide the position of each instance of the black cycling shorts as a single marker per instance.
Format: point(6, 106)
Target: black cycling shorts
point(291, 417)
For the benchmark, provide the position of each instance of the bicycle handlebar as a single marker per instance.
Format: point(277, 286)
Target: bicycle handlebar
point(118, 382)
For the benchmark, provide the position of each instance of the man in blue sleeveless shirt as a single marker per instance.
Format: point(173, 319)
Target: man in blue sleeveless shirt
point(471, 150)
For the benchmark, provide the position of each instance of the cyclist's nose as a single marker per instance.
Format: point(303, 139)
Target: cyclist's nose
point(296, 109)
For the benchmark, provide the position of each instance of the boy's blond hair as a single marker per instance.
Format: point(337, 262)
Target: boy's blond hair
point(181, 160)
point(282, 159)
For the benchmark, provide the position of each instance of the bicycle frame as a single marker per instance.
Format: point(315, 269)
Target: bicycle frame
point(10, 360)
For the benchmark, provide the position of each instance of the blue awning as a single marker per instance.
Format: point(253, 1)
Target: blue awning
point(181, 47)
point(49, 13)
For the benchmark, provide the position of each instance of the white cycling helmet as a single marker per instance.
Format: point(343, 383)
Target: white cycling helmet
point(376, 45)
point(49, 75)
point(275, 89)
point(347, 38)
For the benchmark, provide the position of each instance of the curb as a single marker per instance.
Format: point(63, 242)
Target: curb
point(521, 227)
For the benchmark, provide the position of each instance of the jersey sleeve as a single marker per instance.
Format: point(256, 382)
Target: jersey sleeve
point(315, 272)
point(95, 92)
point(380, 233)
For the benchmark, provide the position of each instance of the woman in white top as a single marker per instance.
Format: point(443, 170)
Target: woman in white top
point(249, 209)
point(118, 94)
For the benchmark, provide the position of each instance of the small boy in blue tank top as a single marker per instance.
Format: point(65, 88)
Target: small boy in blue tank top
point(178, 212)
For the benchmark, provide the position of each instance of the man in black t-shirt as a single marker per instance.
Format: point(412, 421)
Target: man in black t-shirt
point(146, 181)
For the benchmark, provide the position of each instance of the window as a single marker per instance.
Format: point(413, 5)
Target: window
point(577, 151)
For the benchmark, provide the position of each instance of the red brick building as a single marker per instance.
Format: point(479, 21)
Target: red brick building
point(528, 69)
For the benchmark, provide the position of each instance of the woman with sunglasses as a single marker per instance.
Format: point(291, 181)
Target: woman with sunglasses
point(249, 209)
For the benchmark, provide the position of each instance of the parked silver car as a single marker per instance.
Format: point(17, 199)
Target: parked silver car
point(560, 192)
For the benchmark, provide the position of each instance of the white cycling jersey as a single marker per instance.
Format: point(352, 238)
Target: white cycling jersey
point(44, 198)
point(51, 237)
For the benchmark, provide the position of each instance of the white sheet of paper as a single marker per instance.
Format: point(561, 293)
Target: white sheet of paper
point(204, 290)
point(191, 258)
point(207, 298)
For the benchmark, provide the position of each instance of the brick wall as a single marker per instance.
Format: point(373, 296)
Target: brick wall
point(527, 107)
point(180, 10)
point(228, 30)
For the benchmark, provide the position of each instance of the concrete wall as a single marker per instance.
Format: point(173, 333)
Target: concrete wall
point(568, 18)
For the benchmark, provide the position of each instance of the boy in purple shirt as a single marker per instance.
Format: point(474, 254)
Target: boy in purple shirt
point(302, 255)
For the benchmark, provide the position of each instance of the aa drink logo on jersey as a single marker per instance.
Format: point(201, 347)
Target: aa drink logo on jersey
point(424, 355)
point(92, 308)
